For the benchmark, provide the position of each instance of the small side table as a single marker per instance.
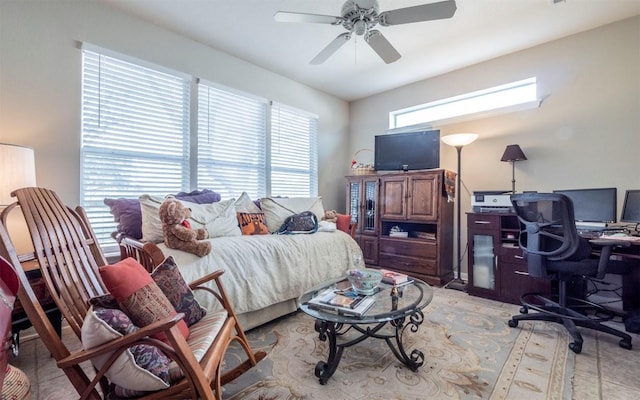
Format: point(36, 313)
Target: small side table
point(19, 319)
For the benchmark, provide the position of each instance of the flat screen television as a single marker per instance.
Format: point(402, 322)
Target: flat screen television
point(593, 205)
point(631, 207)
point(408, 151)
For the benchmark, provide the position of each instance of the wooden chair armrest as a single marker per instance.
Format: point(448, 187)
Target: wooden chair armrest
point(126, 341)
point(209, 277)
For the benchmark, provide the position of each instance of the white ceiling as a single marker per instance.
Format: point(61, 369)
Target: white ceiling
point(479, 30)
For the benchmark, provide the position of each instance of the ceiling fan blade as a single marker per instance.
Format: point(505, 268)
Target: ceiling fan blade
point(425, 12)
point(331, 48)
point(381, 45)
point(285, 16)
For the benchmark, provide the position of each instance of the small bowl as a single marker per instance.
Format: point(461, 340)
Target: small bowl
point(364, 281)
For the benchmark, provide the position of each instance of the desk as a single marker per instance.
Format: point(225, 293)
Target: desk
point(630, 282)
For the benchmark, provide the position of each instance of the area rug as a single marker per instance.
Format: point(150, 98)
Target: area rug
point(470, 353)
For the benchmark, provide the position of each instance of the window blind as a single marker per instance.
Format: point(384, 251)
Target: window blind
point(135, 135)
point(232, 143)
point(294, 152)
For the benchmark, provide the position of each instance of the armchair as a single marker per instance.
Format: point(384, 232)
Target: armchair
point(552, 248)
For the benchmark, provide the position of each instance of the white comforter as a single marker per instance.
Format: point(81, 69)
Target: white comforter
point(264, 270)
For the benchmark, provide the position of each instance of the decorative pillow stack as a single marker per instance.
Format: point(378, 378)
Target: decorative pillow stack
point(218, 219)
point(142, 367)
point(128, 213)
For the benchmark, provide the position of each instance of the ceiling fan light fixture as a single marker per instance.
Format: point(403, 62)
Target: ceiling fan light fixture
point(361, 16)
point(360, 27)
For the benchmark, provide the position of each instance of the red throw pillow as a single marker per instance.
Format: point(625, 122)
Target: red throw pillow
point(343, 222)
point(138, 295)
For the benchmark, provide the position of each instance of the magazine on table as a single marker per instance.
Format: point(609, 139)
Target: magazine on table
point(342, 302)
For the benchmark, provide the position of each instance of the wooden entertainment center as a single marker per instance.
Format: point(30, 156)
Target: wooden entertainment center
point(416, 202)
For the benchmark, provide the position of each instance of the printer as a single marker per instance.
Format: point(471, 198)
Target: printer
point(491, 201)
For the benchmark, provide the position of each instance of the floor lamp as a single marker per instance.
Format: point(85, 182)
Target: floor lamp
point(458, 140)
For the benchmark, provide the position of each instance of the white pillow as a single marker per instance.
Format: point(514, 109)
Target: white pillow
point(219, 219)
point(244, 204)
point(277, 209)
point(151, 225)
point(124, 371)
point(326, 226)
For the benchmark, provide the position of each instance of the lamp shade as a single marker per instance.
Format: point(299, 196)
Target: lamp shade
point(17, 170)
point(459, 139)
point(513, 152)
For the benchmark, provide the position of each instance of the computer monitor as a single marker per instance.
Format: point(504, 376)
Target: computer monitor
point(593, 205)
point(631, 207)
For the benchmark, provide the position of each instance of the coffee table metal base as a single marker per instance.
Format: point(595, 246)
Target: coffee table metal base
point(331, 331)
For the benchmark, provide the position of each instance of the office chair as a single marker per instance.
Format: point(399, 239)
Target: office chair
point(553, 249)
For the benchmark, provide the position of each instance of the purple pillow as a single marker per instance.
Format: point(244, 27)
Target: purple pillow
point(126, 212)
point(205, 196)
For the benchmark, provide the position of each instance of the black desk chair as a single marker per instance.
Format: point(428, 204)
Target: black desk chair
point(552, 248)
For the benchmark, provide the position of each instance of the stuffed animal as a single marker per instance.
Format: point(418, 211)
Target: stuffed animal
point(330, 215)
point(177, 232)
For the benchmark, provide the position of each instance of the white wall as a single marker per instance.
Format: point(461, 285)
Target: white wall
point(40, 85)
point(585, 134)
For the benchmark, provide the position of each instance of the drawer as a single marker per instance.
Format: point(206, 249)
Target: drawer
point(486, 222)
point(513, 255)
point(410, 248)
point(408, 265)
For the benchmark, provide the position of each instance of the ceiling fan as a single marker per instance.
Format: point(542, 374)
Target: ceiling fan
point(361, 16)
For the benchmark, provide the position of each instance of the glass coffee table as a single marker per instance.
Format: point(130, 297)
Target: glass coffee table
point(401, 312)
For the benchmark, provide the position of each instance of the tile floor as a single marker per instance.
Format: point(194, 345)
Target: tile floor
point(604, 371)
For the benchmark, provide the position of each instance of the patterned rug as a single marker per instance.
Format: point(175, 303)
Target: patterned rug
point(470, 353)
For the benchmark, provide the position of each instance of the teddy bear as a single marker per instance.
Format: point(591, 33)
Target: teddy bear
point(176, 230)
point(330, 215)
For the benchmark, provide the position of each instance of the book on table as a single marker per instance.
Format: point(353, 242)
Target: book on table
point(333, 300)
point(395, 278)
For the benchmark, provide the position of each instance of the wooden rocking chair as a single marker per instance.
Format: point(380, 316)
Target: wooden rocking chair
point(69, 256)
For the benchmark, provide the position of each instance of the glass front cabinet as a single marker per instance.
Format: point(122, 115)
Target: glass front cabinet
point(362, 206)
point(496, 268)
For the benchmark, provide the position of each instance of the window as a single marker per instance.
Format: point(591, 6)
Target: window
point(511, 97)
point(240, 149)
point(231, 142)
point(294, 161)
point(135, 134)
point(137, 138)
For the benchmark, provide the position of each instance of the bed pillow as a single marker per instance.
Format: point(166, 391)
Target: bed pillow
point(138, 295)
point(141, 367)
point(168, 277)
point(276, 210)
point(244, 204)
point(252, 223)
point(204, 196)
point(344, 222)
point(218, 219)
point(126, 212)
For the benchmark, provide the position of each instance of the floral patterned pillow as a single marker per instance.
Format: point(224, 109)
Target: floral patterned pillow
point(142, 367)
point(168, 277)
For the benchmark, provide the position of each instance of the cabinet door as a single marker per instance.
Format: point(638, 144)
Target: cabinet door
point(362, 196)
point(484, 238)
point(394, 197)
point(368, 222)
point(354, 201)
point(483, 261)
point(423, 197)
